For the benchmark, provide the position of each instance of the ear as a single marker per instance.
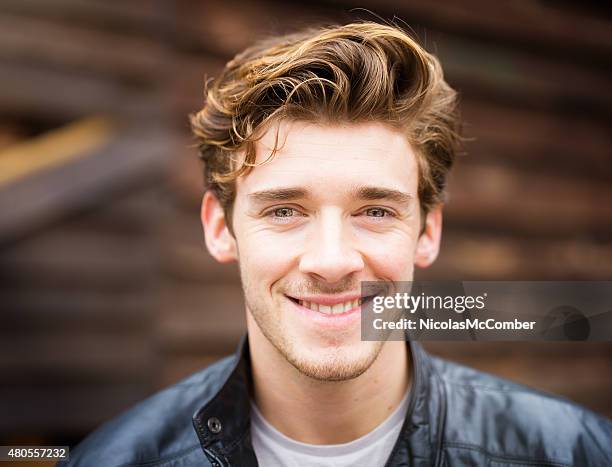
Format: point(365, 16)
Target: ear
point(428, 244)
point(220, 243)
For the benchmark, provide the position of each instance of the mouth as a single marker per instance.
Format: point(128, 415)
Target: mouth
point(328, 308)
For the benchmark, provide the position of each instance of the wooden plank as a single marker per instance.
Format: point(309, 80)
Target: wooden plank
point(536, 141)
point(76, 356)
point(531, 25)
point(77, 47)
point(223, 28)
point(185, 255)
point(136, 16)
point(60, 96)
point(519, 201)
point(494, 72)
point(200, 318)
point(473, 255)
point(10, 133)
point(36, 310)
point(124, 165)
point(186, 85)
point(136, 214)
point(61, 408)
point(54, 148)
point(78, 260)
point(551, 375)
point(194, 264)
point(186, 180)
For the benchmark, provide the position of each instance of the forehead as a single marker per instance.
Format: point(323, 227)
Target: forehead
point(328, 158)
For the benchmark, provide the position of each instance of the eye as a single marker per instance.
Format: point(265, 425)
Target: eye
point(283, 212)
point(378, 212)
point(284, 215)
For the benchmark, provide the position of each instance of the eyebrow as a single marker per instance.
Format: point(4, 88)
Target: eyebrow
point(373, 193)
point(279, 194)
point(366, 193)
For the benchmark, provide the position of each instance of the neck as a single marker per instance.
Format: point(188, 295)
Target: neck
point(326, 412)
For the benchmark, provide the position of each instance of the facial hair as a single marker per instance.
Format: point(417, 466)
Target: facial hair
point(335, 362)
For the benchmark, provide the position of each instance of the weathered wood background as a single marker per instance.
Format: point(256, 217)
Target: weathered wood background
point(106, 291)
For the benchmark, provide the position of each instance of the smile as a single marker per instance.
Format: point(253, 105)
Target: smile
point(335, 309)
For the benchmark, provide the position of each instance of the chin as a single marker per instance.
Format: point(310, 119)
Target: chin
point(335, 363)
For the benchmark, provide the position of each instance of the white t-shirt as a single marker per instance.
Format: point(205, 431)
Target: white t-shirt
point(274, 449)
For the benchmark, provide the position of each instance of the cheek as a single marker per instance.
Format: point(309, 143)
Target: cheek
point(264, 257)
point(392, 258)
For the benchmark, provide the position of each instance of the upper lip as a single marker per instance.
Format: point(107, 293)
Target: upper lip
point(324, 299)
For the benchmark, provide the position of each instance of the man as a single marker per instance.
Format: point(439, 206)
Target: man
point(326, 154)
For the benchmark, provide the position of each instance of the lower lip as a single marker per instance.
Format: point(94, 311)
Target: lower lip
point(338, 320)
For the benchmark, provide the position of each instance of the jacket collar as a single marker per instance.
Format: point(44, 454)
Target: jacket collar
point(223, 422)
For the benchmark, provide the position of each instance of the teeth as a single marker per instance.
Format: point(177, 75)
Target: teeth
point(331, 309)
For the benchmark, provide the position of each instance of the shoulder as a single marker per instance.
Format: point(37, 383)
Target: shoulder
point(158, 431)
point(508, 421)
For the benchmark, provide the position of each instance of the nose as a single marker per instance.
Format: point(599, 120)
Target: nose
point(330, 254)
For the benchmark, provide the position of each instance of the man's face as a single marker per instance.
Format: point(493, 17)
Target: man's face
point(337, 205)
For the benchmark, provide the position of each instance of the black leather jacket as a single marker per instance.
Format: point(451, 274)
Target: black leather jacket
point(456, 416)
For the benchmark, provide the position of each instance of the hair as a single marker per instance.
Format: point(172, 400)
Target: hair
point(360, 72)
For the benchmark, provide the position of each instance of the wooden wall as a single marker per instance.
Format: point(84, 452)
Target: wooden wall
point(114, 296)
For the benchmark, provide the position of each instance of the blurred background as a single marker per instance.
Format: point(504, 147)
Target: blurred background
point(106, 291)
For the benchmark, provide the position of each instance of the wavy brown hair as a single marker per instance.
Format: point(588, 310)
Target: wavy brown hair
point(360, 72)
